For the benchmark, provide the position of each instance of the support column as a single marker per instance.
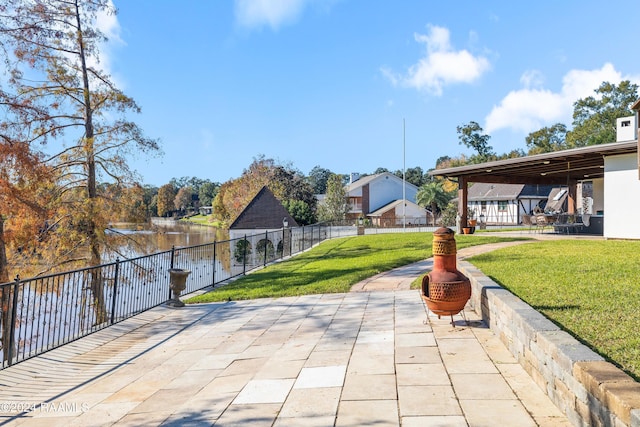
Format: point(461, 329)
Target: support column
point(572, 196)
point(462, 201)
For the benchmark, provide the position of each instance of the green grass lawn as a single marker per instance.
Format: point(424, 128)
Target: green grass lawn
point(590, 288)
point(334, 266)
point(202, 220)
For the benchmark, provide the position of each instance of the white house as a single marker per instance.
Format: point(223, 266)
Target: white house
point(397, 213)
point(372, 192)
point(505, 203)
point(621, 184)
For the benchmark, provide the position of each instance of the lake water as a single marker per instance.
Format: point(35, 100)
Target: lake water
point(134, 240)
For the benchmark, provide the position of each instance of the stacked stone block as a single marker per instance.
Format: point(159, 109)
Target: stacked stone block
point(586, 388)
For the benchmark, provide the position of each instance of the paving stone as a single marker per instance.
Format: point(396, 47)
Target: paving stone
point(421, 339)
point(465, 356)
point(369, 387)
point(274, 369)
point(489, 413)
point(427, 400)
point(422, 374)
point(379, 413)
point(249, 415)
point(311, 402)
point(435, 421)
point(327, 358)
point(227, 384)
point(371, 363)
point(481, 386)
point(264, 391)
point(322, 376)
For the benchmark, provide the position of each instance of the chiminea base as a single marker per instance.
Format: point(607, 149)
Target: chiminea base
point(440, 313)
point(446, 298)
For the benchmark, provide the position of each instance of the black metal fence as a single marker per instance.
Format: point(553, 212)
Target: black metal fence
point(45, 312)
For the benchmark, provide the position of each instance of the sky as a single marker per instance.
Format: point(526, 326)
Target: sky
point(355, 85)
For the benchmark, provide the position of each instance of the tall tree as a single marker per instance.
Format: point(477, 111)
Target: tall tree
point(414, 175)
point(434, 195)
point(207, 192)
point(335, 205)
point(183, 198)
point(318, 178)
point(471, 136)
point(23, 212)
point(547, 139)
point(594, 117)
point(57, 88)
point(166, 199)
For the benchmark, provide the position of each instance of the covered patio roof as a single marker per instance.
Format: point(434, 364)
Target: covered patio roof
point(556, 168)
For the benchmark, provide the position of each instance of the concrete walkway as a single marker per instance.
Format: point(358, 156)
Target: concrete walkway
point(353, 359)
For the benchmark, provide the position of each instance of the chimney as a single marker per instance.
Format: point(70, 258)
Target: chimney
point(354, 177)
point(626, 129)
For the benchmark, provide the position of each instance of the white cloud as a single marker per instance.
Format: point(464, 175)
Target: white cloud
point(273, 13)
point(532, 78)
point(107, 22)
point(441, 66)
point(530, 109)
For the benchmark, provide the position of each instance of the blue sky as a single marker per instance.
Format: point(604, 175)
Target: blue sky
point(329, 82)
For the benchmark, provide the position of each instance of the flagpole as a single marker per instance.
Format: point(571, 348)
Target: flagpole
point(404, 191)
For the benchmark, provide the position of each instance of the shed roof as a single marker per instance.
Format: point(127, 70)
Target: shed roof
point(482, 191)
point(555, 168)
point(264, 211)
point(393, 205)
point(361, 182)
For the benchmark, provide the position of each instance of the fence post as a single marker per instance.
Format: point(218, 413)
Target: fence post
point(302, 239)
point(213, 282)
point(173, 254)
point(244, 255)
point(115, 290)
point(12, 331)
point(266, 246)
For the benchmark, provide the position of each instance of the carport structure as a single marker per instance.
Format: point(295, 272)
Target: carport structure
point(565, 168)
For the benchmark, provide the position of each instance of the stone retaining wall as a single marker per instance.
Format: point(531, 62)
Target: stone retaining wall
point(589, 390)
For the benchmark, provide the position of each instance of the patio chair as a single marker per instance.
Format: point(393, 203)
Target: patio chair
point(541, 222)
point(529, 220)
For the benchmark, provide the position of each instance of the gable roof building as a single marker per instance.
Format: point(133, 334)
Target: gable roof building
point(370, 193)
point(263, 212)
point(506, 203)
point(397, 214)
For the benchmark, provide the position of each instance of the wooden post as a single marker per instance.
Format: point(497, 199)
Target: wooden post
point(462, 201)
point(572, 196)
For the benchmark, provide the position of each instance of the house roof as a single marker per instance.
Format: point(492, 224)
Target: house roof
point(481, 191)
point(393, 205)
point(555, 168)
point(264, 211)
point(369, 178)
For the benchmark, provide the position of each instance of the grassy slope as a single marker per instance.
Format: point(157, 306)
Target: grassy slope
point(589, 288)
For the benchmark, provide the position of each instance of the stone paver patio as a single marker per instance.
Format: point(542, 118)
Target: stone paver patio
point(354, 359)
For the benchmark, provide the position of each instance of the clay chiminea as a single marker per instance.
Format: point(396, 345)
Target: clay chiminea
point(445, 290)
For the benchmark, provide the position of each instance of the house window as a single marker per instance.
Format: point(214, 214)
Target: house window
point(502, 205)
